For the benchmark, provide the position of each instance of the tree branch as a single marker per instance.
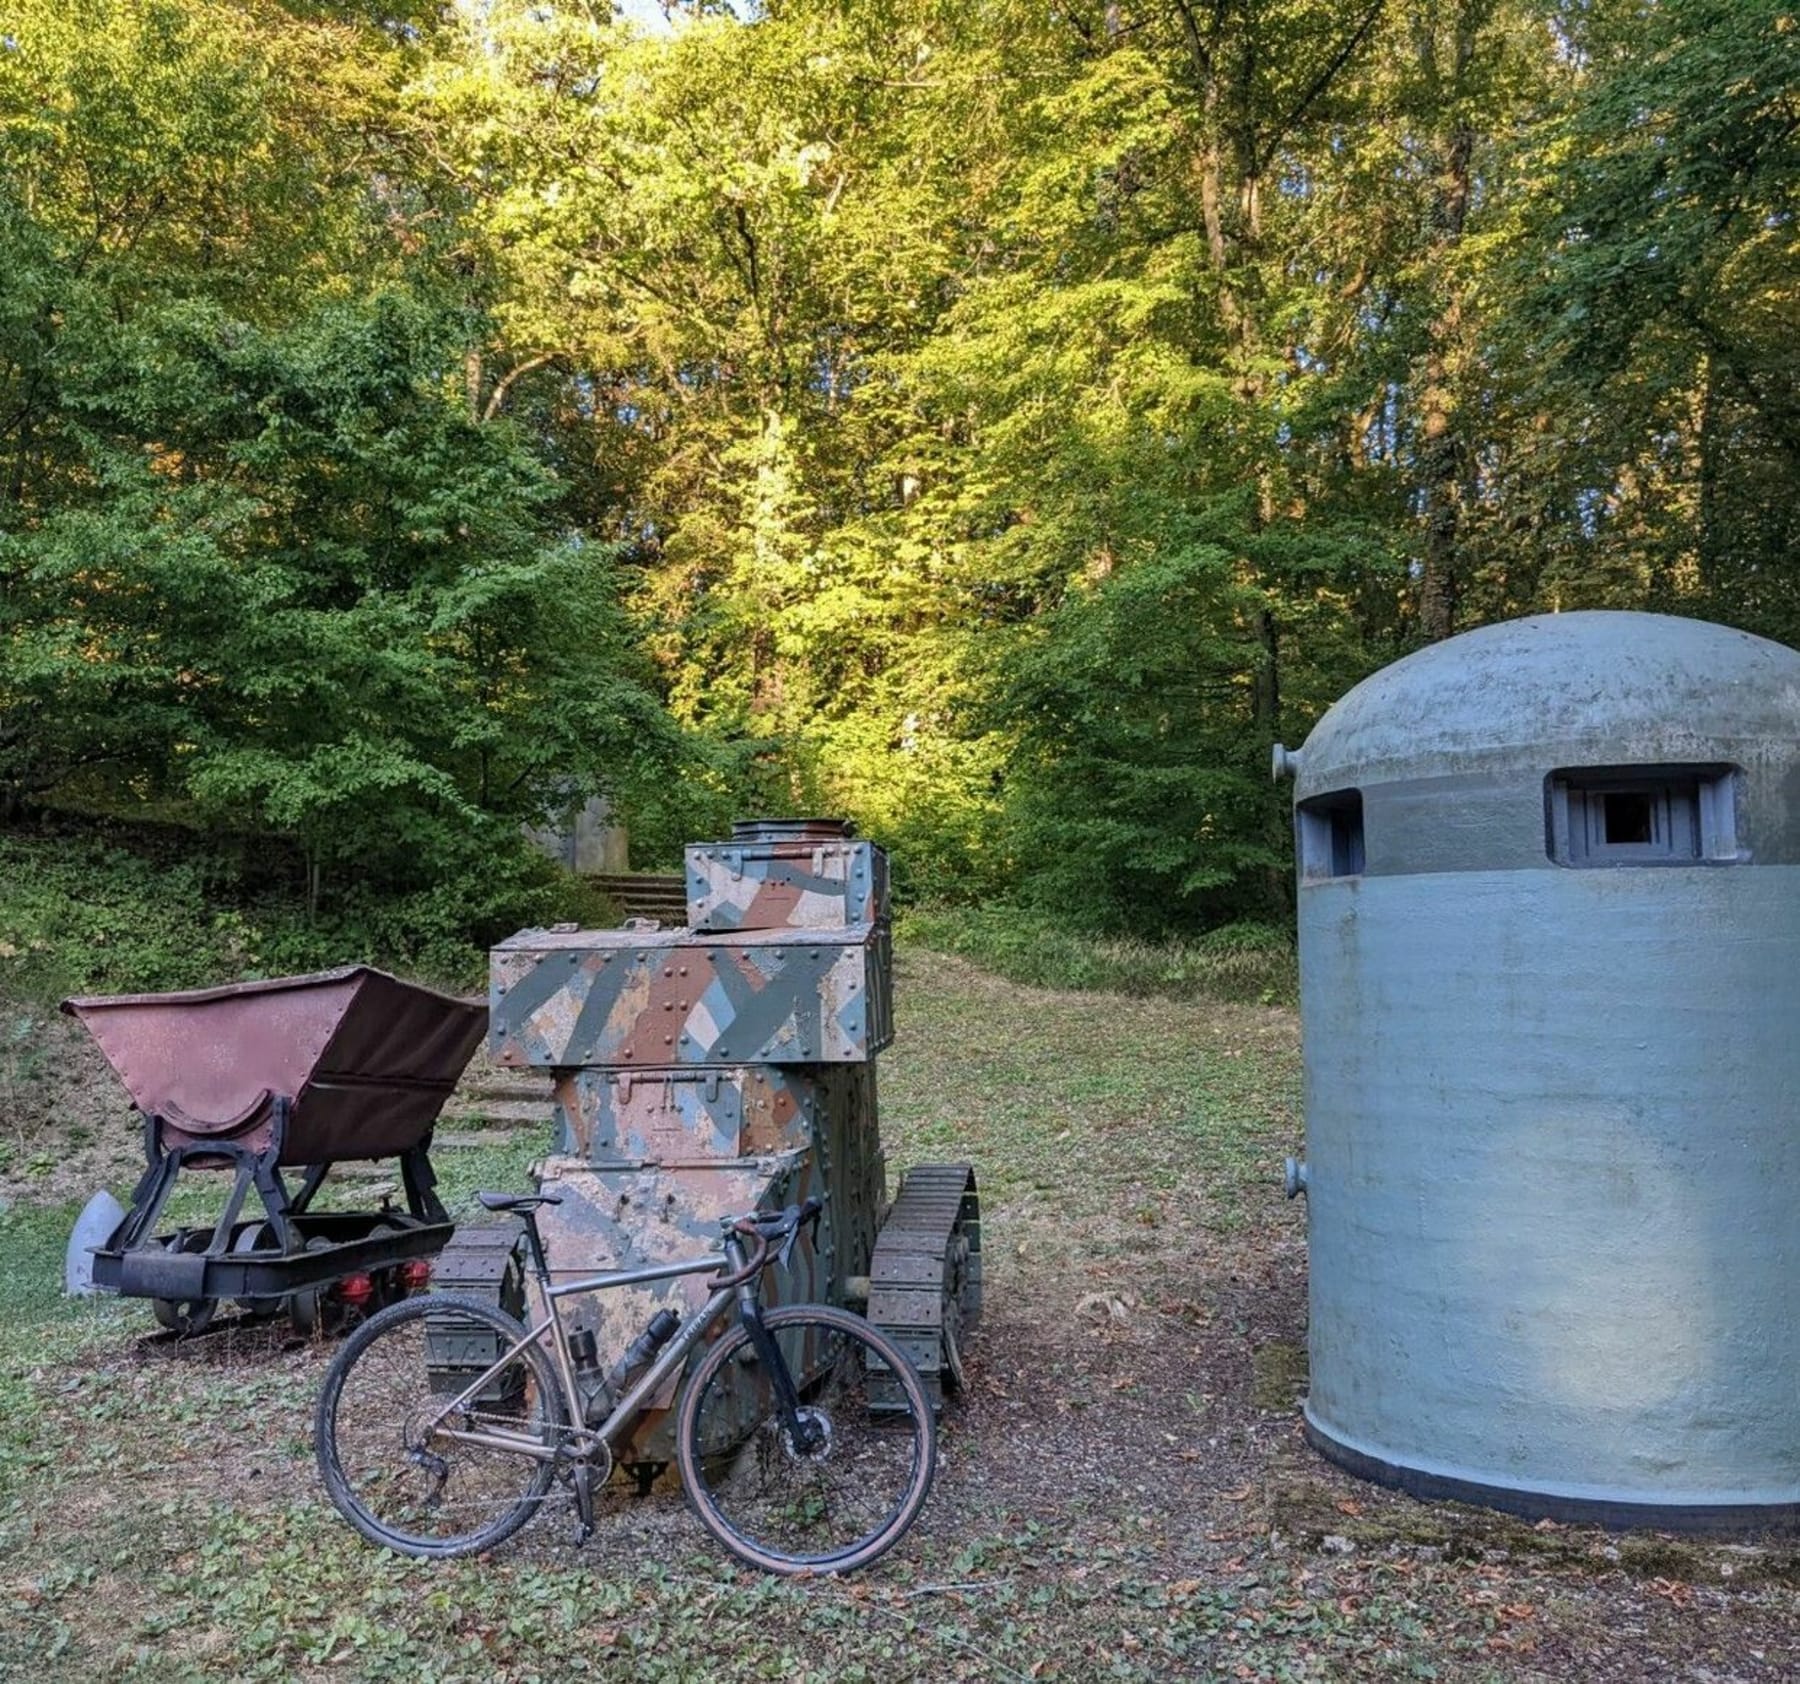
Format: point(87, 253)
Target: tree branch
point(1333, 68)
point(497, 397)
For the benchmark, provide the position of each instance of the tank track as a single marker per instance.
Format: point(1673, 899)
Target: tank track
point(481, 1263)
point(925, 1276)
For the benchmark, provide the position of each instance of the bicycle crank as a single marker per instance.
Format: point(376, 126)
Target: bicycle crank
point(581, 1481)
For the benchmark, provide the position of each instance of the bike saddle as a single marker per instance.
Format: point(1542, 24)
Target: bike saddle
point(517, 1201)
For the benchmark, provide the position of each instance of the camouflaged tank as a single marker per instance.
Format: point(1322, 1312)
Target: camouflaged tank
point(728, 1065)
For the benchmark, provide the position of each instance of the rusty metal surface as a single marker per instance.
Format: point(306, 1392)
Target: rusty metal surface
point(564, 998)
point(793, 830)
point(803, 879)
point(368, 1060)
point(676, 1116)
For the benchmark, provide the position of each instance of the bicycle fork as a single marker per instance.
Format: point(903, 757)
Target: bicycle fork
point(804, 1433)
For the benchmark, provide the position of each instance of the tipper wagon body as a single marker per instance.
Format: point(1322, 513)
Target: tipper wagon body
point(264, 1080)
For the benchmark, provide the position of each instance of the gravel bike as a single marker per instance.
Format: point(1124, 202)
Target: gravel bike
point(804, 1437)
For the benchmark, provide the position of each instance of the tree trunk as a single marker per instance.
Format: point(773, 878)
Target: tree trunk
point(1444, 445)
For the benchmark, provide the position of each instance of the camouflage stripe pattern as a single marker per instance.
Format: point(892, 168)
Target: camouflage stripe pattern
point(624, 998)
point(688, 1115)
point(703, 1072)
point(675, 1120)
point(804, 885)
point(622, 1218)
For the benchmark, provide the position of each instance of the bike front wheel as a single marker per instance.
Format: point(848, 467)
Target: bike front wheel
point(385, 1447)
point(845, 1494)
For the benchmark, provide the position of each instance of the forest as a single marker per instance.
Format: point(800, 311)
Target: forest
point(996, 422)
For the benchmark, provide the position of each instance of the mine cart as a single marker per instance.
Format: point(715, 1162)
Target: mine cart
point(292, 1075)
point(706, 1070)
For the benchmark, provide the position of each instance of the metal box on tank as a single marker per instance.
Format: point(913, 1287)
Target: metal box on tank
point(1549, 911)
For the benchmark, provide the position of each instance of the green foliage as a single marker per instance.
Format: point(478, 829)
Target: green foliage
point(1653, 294)
point(116, 909)
point(303, 589)
point(261, 559)
point(998, 424)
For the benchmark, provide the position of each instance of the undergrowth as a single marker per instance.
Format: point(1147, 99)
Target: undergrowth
point(1245, 962)
point(121, 909)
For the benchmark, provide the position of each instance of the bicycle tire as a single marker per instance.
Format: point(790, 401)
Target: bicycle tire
point(369, 1464)
point(732, 1445)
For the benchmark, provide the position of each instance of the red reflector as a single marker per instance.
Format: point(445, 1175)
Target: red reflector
point(356, 1289)
point(416, 1274)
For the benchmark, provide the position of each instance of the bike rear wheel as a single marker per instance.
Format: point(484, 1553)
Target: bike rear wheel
point(397, 1478)
point(837, 1504)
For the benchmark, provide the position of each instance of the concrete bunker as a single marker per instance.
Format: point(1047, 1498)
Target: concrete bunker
point(1549, 917)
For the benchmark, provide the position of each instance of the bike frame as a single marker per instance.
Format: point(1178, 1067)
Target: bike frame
point(667, 1361)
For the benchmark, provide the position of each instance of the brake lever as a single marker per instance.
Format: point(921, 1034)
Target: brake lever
point(808, 1221)
point(792, 1215)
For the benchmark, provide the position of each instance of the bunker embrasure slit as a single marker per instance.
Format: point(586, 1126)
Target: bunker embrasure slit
point(1642, 815)
point(1331, 835)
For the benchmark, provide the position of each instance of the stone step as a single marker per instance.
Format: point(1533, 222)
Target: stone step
point(502, 1093)
point(647, 895)
point(462, 1139)
point(467, 1106)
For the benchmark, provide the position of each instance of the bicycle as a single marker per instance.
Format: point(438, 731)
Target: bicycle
point(800, 1424)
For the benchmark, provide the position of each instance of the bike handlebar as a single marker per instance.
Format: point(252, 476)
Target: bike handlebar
point(783, 1225)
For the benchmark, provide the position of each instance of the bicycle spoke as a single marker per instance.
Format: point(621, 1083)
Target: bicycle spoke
point(391, 1463)
point(843, 1499)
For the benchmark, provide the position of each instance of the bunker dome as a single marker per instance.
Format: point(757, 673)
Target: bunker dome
point(1550, 988)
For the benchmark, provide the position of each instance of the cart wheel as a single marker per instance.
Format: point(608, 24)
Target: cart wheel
point(257, 1236)
point(307, 1308)
point(389, 1288)
point(185, 1315)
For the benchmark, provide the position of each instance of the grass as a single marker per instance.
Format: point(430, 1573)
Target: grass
point(1239, 962)
point(1122, 1495)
